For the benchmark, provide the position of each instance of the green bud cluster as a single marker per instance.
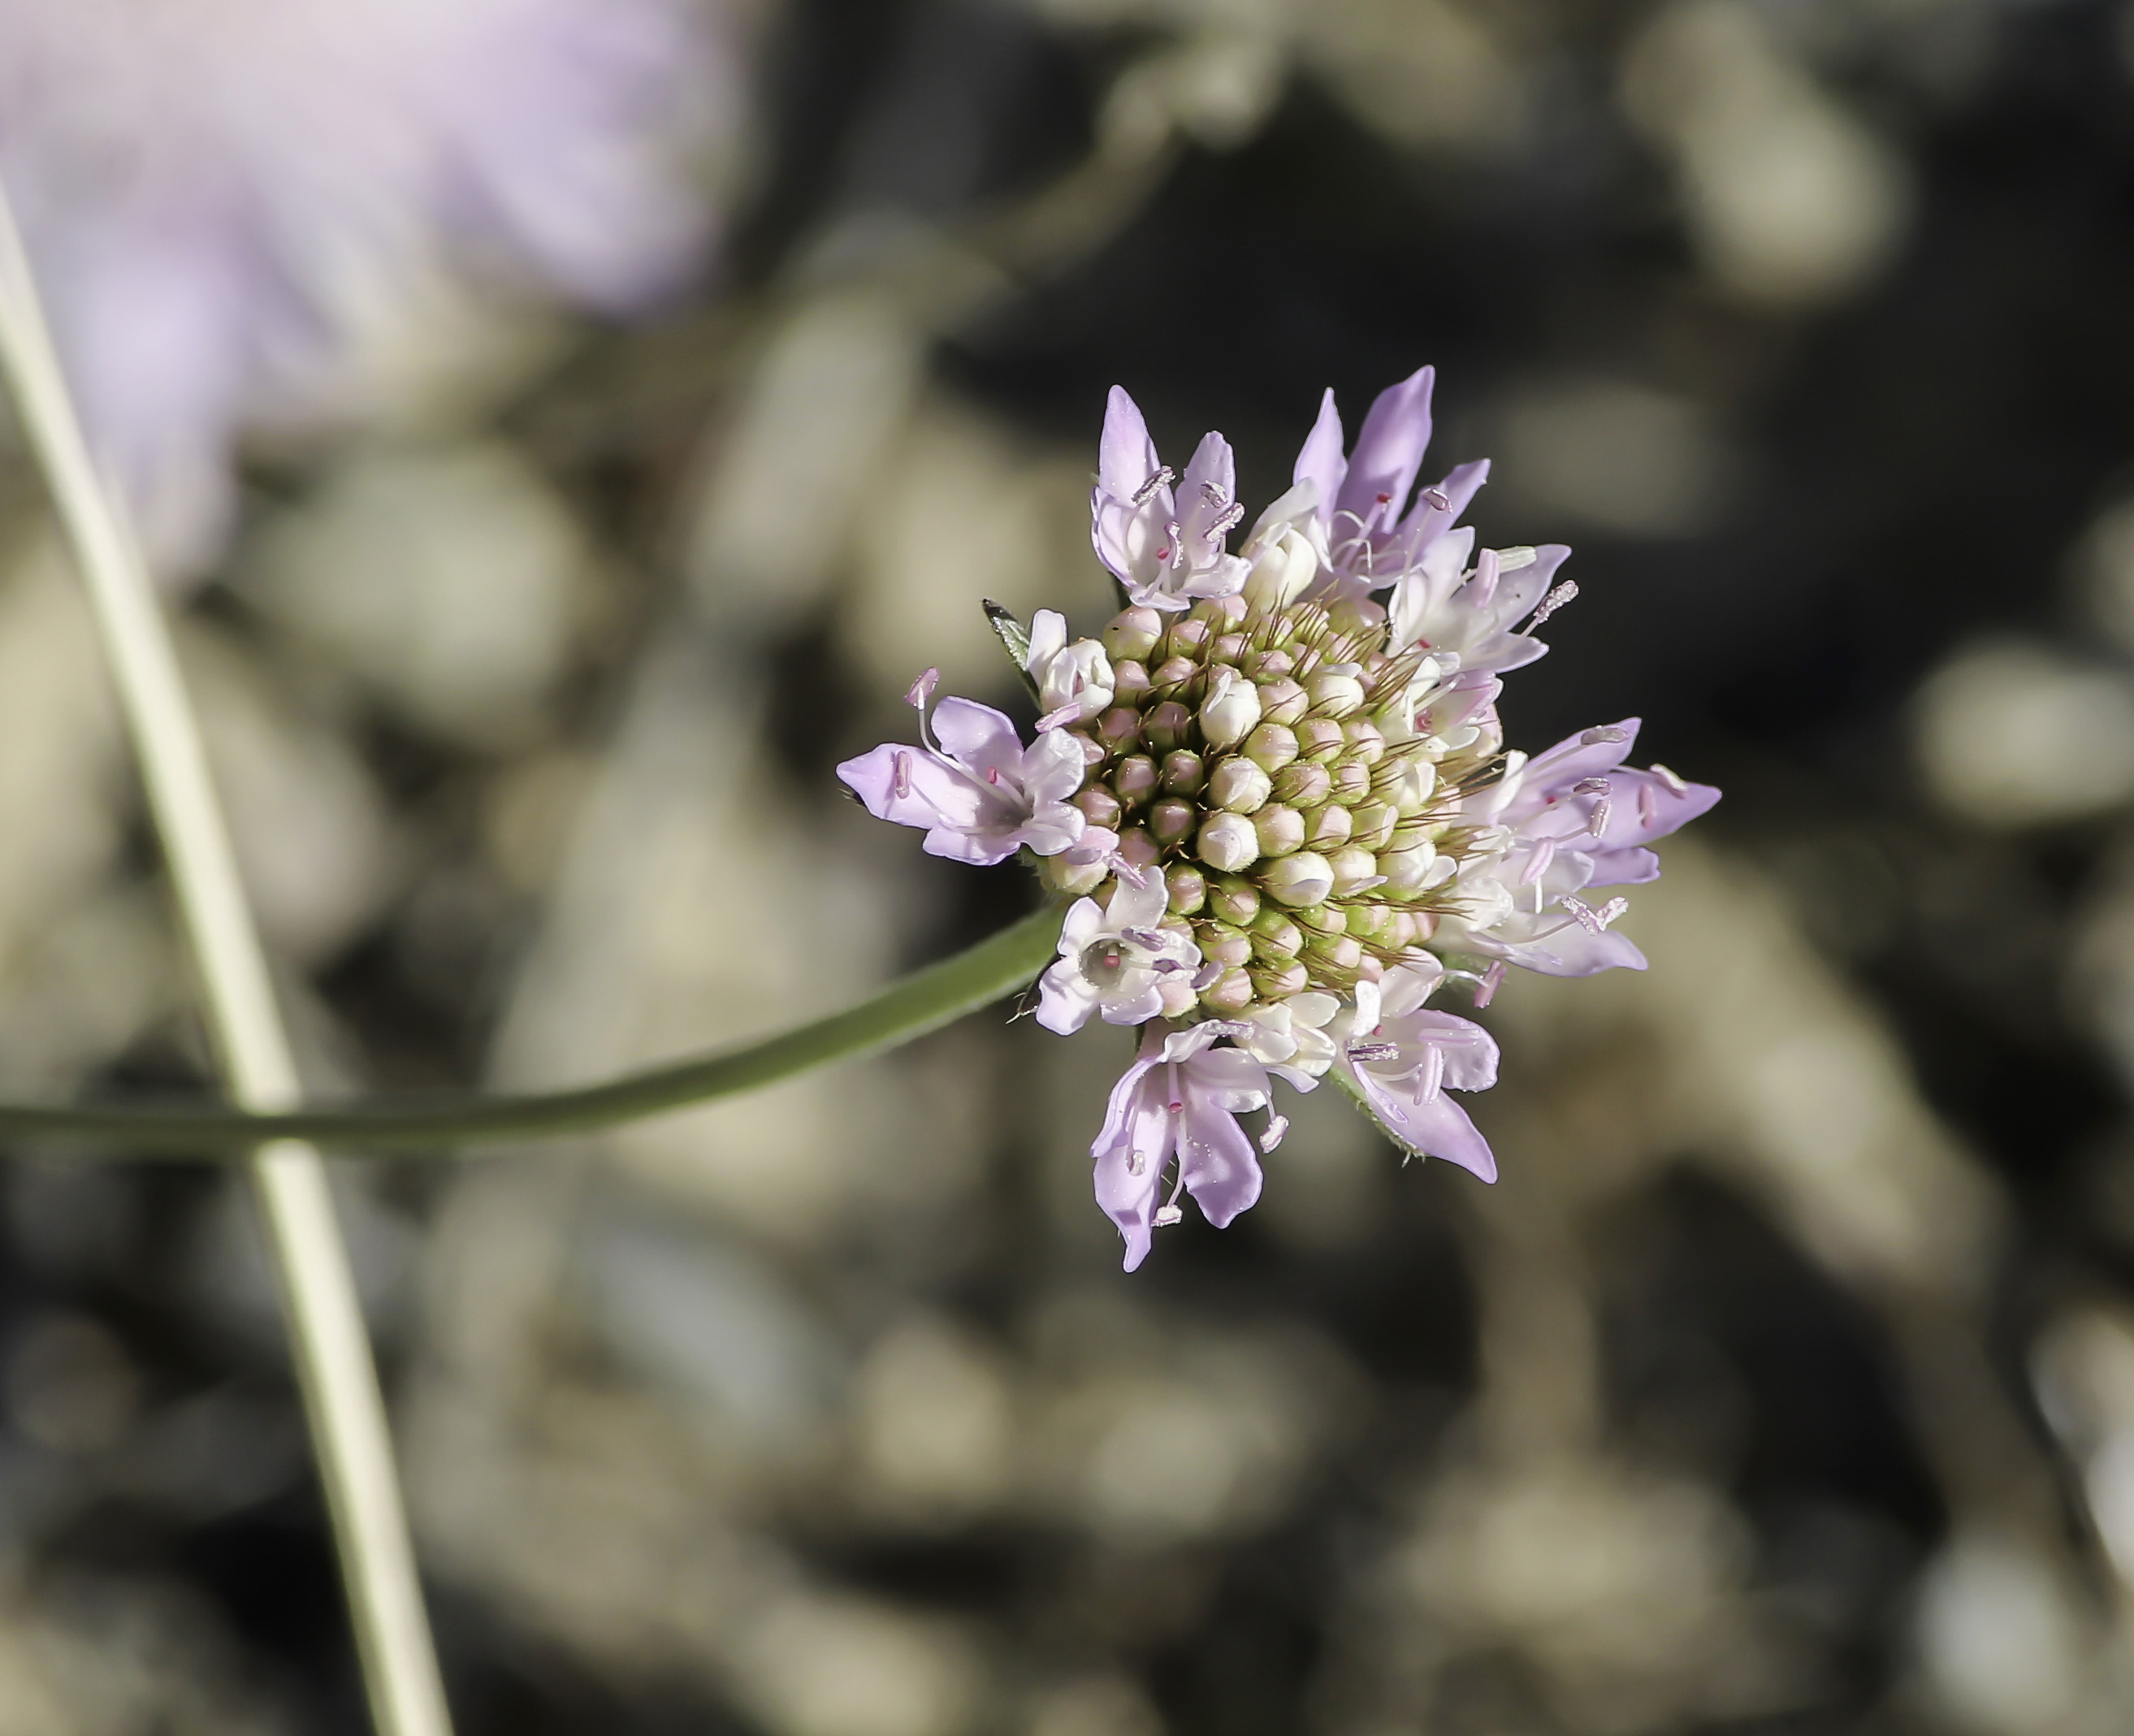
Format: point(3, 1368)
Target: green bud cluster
point(1254, 757)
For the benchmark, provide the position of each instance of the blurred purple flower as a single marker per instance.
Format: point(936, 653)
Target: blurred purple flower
point(225, 200)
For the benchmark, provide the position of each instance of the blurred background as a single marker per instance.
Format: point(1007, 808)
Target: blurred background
point(568, 427)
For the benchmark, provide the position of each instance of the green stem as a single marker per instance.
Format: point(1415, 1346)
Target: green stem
point(924, 1001)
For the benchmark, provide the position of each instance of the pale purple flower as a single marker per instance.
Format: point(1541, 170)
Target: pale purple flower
point(1469, 618)
point(237, 210)
point(1167, 545)
point(1074, 681)
point(1402, 1057)
point(1568, 821)
point(1370, 536)
point(1181, 1096)
point(979, 792)
point(1292, 1039)
point(1114, 962)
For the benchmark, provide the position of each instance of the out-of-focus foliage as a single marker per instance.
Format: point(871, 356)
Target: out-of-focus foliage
point(1785, 1381)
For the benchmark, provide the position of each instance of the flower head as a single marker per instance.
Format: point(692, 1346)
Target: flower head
point(1298, 818)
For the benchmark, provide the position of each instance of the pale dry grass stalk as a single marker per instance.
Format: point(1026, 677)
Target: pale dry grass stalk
point(331, 1351)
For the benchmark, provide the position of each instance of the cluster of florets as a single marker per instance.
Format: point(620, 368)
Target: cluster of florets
point(1282, 805)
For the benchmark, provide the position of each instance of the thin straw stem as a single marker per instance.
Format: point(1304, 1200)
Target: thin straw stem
point(326, 1335)
point(924, 1001)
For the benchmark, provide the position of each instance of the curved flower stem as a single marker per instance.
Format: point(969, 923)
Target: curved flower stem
point(328, 1339)
point(924, 1001)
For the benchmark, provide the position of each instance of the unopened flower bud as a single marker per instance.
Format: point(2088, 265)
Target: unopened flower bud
point(1334, 694)
point(1278, 924)
point(1274, 983)
point(1367, 741)
point(1165, 725)
point(1265, 666)
point(1408, 871)
point(1321, 920)
point(1222, 944)
point(1172, 673)
point(1230, 711)
point(1282, 573)
point(1279, 829)
point(1188, 638)
point(1408, 784)
point(1099, 806)
point(1232, 993)
point(1353, 870)
point(1138, 849)
point(1317, 738)
point(1171, 819)
point(1334, 951)
point(1367, 921)
point(1129, 682)
point(1352, 782)
point(1302, 784)
point(1277, 948)
point(1118, 726)
point(1238, 786)
point(1271, 746)
point(1183, 772)
point(1175, 991)
point(1072, 879)
point(1329, 827)
point(1132, 635)
point(1228, 648)
point(1282, 700)
point(1299, 880)
point(1135, 778)
point(1374, 823)
point(1187, 888)
point(1227, 842)
point(1235, 901)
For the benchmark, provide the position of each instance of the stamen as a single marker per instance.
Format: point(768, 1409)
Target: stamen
point(1137, 1162)
point(1213, 495)
point(1166, 1216)
point(1673, 780)
point(1152, 938)
point(1147, 492)
point(1487, 990)
point(1482, 588)
point(1591, 787)
point(1608, 732)
point(1598, 823)
point(1433, 1073)
point(1439, 499)
point(1593, 921)
point(1537, 864)
point(901, 784)
point(1175, 554)
point(1648, 805)
point(922, 690)
point(1373, 1051)
point(1277, 1126)
point(1227, 519)
point(1553, 602)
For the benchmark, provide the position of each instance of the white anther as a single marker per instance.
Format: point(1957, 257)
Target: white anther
point(1608, 732)
point(1537, 861)
point(1439, 499)
point(1373, 1051)
point(1648, 805)
point(1673, 780)
point(1166, 1216)
point(1482, 588)
point(1137, 1162)
point(1277, 1126)
point(922, 690)
point(1598, 823)
point(1175, 554)
point(901, 784)
point(1486, 991)
point(1591, 787)
point(1213, 493)
point(1227, 519)
point(1147, 492)
point(1553, 602)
